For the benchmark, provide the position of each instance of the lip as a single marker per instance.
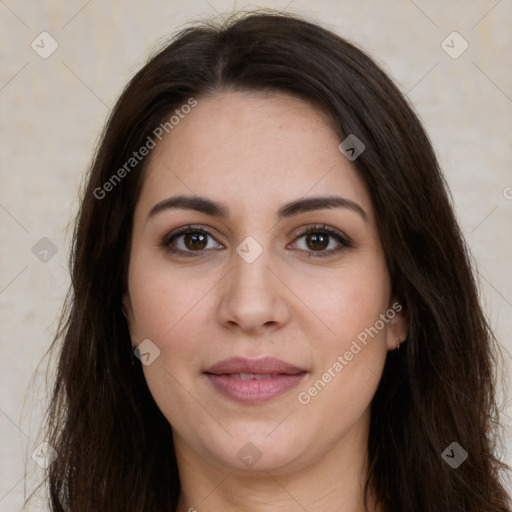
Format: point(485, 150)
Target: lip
point(263, 379)
point(262, 365)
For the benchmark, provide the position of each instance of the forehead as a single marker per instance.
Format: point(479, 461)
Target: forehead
point(255, 150)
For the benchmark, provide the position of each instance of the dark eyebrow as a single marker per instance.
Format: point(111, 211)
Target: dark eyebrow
point(216, 209)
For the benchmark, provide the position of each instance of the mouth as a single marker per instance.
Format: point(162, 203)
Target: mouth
point(253, 381)
point(255, 376)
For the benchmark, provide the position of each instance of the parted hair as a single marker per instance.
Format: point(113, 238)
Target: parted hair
point(115, 447)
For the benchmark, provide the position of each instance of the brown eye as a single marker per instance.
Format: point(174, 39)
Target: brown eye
point(318, 238)
point(189, 241)
point(194, 241)
point(317, 242)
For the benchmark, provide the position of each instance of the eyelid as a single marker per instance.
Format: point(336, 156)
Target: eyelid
point(314, 228)
point(343, 240)
point(166, 240)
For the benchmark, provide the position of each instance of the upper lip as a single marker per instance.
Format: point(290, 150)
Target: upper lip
point(264, 365)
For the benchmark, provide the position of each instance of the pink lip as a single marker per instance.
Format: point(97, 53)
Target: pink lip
point(223, 376)
point(261, 365)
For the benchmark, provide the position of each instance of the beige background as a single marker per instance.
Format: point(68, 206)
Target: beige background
point(53, 110)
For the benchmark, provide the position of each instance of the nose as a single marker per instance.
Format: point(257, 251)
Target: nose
point(253, 295)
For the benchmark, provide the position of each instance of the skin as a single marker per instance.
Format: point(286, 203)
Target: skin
point(254, 152)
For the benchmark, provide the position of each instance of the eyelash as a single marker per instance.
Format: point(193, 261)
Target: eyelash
point(317, 229)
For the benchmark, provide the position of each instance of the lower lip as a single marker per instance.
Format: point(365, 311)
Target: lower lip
point(254, 391)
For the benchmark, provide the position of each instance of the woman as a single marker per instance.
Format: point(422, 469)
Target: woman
point(273, 307)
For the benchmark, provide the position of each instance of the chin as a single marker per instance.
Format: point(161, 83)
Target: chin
point(259, 451)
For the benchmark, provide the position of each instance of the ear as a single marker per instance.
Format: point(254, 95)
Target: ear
point(398, 324)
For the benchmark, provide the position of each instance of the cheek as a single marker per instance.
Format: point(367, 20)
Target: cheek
point(351, 354)
point(170, 309)
point(164, 299)
point(345, 303)
point(173, 309)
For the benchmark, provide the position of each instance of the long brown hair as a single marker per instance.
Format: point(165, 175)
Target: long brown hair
point(115, 447)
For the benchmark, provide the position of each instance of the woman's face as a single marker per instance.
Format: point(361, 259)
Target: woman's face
point(251, 284)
